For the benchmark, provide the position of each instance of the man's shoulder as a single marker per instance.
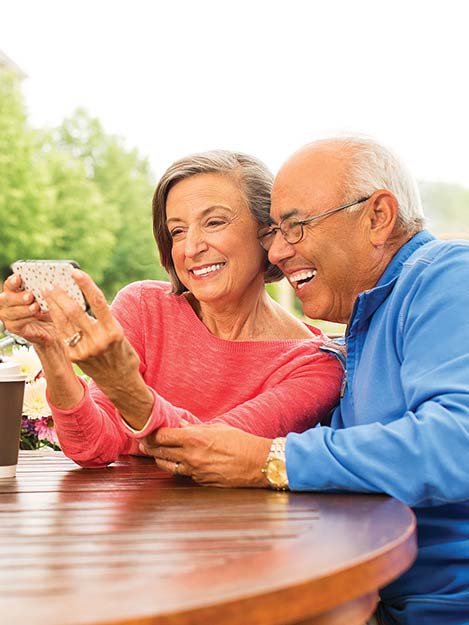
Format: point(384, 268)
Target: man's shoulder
point(438, 250)
point(441, 261)
point(433, 279)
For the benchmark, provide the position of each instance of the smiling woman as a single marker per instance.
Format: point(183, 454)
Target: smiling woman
point(210, 347)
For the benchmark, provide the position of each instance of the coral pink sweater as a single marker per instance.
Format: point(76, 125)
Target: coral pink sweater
point(267, 388)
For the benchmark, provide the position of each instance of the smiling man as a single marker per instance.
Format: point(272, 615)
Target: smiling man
point(348, 234)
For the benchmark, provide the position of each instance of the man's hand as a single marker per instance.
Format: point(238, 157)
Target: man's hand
point(212, 455)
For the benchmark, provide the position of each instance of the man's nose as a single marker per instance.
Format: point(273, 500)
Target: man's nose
point(280, 249)
point(195, 242)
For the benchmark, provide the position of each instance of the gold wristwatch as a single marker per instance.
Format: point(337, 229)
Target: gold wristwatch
point(275, 467)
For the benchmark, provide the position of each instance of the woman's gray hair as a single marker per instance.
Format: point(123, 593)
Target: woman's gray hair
point(373, 166)
point(254, 179)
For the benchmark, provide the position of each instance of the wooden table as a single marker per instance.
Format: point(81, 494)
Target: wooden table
point(131, 545)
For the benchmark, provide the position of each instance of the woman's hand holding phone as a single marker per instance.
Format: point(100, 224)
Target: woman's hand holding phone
point(22, 315)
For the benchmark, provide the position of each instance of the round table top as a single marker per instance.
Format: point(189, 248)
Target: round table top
point(131, 544)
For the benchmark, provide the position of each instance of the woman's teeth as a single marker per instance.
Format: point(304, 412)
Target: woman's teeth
point(205, 270)
point(300, 278)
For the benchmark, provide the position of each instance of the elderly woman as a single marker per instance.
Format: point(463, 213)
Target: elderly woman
point(210, 347)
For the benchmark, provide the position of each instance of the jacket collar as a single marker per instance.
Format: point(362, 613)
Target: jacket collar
point(368, 301)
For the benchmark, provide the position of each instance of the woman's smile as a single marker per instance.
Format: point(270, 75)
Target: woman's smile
point(206, 271)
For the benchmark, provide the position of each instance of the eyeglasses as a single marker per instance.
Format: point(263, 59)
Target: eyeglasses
point(293, 229)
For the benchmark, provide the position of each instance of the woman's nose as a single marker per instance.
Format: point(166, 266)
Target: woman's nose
point(280, 249)
point(195, 242)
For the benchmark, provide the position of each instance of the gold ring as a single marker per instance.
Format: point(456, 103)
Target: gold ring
point(71, 341)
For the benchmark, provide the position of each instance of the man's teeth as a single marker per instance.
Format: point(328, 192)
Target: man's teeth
point(302, 276)
point(205, 270)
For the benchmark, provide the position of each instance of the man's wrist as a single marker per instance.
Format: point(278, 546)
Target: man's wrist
point(275, 470)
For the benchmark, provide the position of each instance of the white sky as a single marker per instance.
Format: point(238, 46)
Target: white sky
point(260, 76)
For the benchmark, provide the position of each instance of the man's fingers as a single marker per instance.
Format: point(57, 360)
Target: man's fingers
point(169, 454)
point(169, 437)
point(175, 468)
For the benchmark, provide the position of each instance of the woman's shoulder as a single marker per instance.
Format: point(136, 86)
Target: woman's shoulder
point(147, 292)
point(286, 326)
point(145, 288)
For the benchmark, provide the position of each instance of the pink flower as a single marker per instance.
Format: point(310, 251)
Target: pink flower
point(45, 430)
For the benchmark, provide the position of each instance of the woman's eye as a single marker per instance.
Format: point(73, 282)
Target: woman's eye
point(214, 223)
point(176, 232)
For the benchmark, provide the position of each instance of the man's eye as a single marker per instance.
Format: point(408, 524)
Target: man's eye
point(290, 224)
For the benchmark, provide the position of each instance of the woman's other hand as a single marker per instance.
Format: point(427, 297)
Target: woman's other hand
point(100, 348)
point(22, 315)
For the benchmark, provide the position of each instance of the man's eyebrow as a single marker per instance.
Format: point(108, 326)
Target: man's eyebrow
point(204, 213)
point(292, 213)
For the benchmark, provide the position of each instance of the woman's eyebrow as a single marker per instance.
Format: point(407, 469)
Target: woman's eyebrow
point(204, 213)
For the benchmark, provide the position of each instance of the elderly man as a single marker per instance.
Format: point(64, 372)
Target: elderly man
point(348, 235)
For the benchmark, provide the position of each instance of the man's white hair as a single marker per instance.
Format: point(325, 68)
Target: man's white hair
point(373, 166)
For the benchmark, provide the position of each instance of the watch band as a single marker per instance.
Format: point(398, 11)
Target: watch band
point(275, 466)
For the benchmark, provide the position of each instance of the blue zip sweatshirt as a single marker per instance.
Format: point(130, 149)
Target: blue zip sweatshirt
point(407, 398)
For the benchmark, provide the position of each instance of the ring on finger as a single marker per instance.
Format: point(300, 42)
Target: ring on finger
point(176, 468)
point(71, 341)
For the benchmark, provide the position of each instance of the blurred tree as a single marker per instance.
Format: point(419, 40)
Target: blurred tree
point(23, 218)
point(73, 192)
point(81, 224)
point(124, 181)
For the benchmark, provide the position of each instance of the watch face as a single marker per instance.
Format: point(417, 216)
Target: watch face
point(276, 473)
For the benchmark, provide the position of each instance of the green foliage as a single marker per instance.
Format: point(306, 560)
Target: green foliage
point(124, 181)
point(81, 224)
point(22, 192)
point(74, 192)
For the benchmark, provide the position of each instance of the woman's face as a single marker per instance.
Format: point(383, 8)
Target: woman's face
point(215, 249)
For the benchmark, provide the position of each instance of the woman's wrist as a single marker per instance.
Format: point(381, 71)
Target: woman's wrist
point(63, 386)
point(133, 399)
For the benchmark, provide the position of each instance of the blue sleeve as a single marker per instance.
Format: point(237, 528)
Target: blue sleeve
point(421, 456)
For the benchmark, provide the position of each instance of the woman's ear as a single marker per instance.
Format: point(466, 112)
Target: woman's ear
point(382, 214)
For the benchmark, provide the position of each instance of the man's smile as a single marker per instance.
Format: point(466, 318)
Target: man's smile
point(298, 279)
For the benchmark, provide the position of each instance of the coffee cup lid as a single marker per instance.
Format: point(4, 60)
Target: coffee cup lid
point(10, 371)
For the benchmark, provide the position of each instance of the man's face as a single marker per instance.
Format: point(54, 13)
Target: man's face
point(333, 262)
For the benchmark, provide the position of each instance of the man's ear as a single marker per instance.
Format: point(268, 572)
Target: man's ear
point(382, 214)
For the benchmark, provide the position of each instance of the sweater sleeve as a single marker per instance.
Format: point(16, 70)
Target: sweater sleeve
point(421, 457)
point(91, 433)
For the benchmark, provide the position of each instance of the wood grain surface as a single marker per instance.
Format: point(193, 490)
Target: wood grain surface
point(132, 545)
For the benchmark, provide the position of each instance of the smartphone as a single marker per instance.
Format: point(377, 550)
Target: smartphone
point(37, 274)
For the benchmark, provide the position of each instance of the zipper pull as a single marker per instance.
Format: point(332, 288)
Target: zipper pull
point(344, 384)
